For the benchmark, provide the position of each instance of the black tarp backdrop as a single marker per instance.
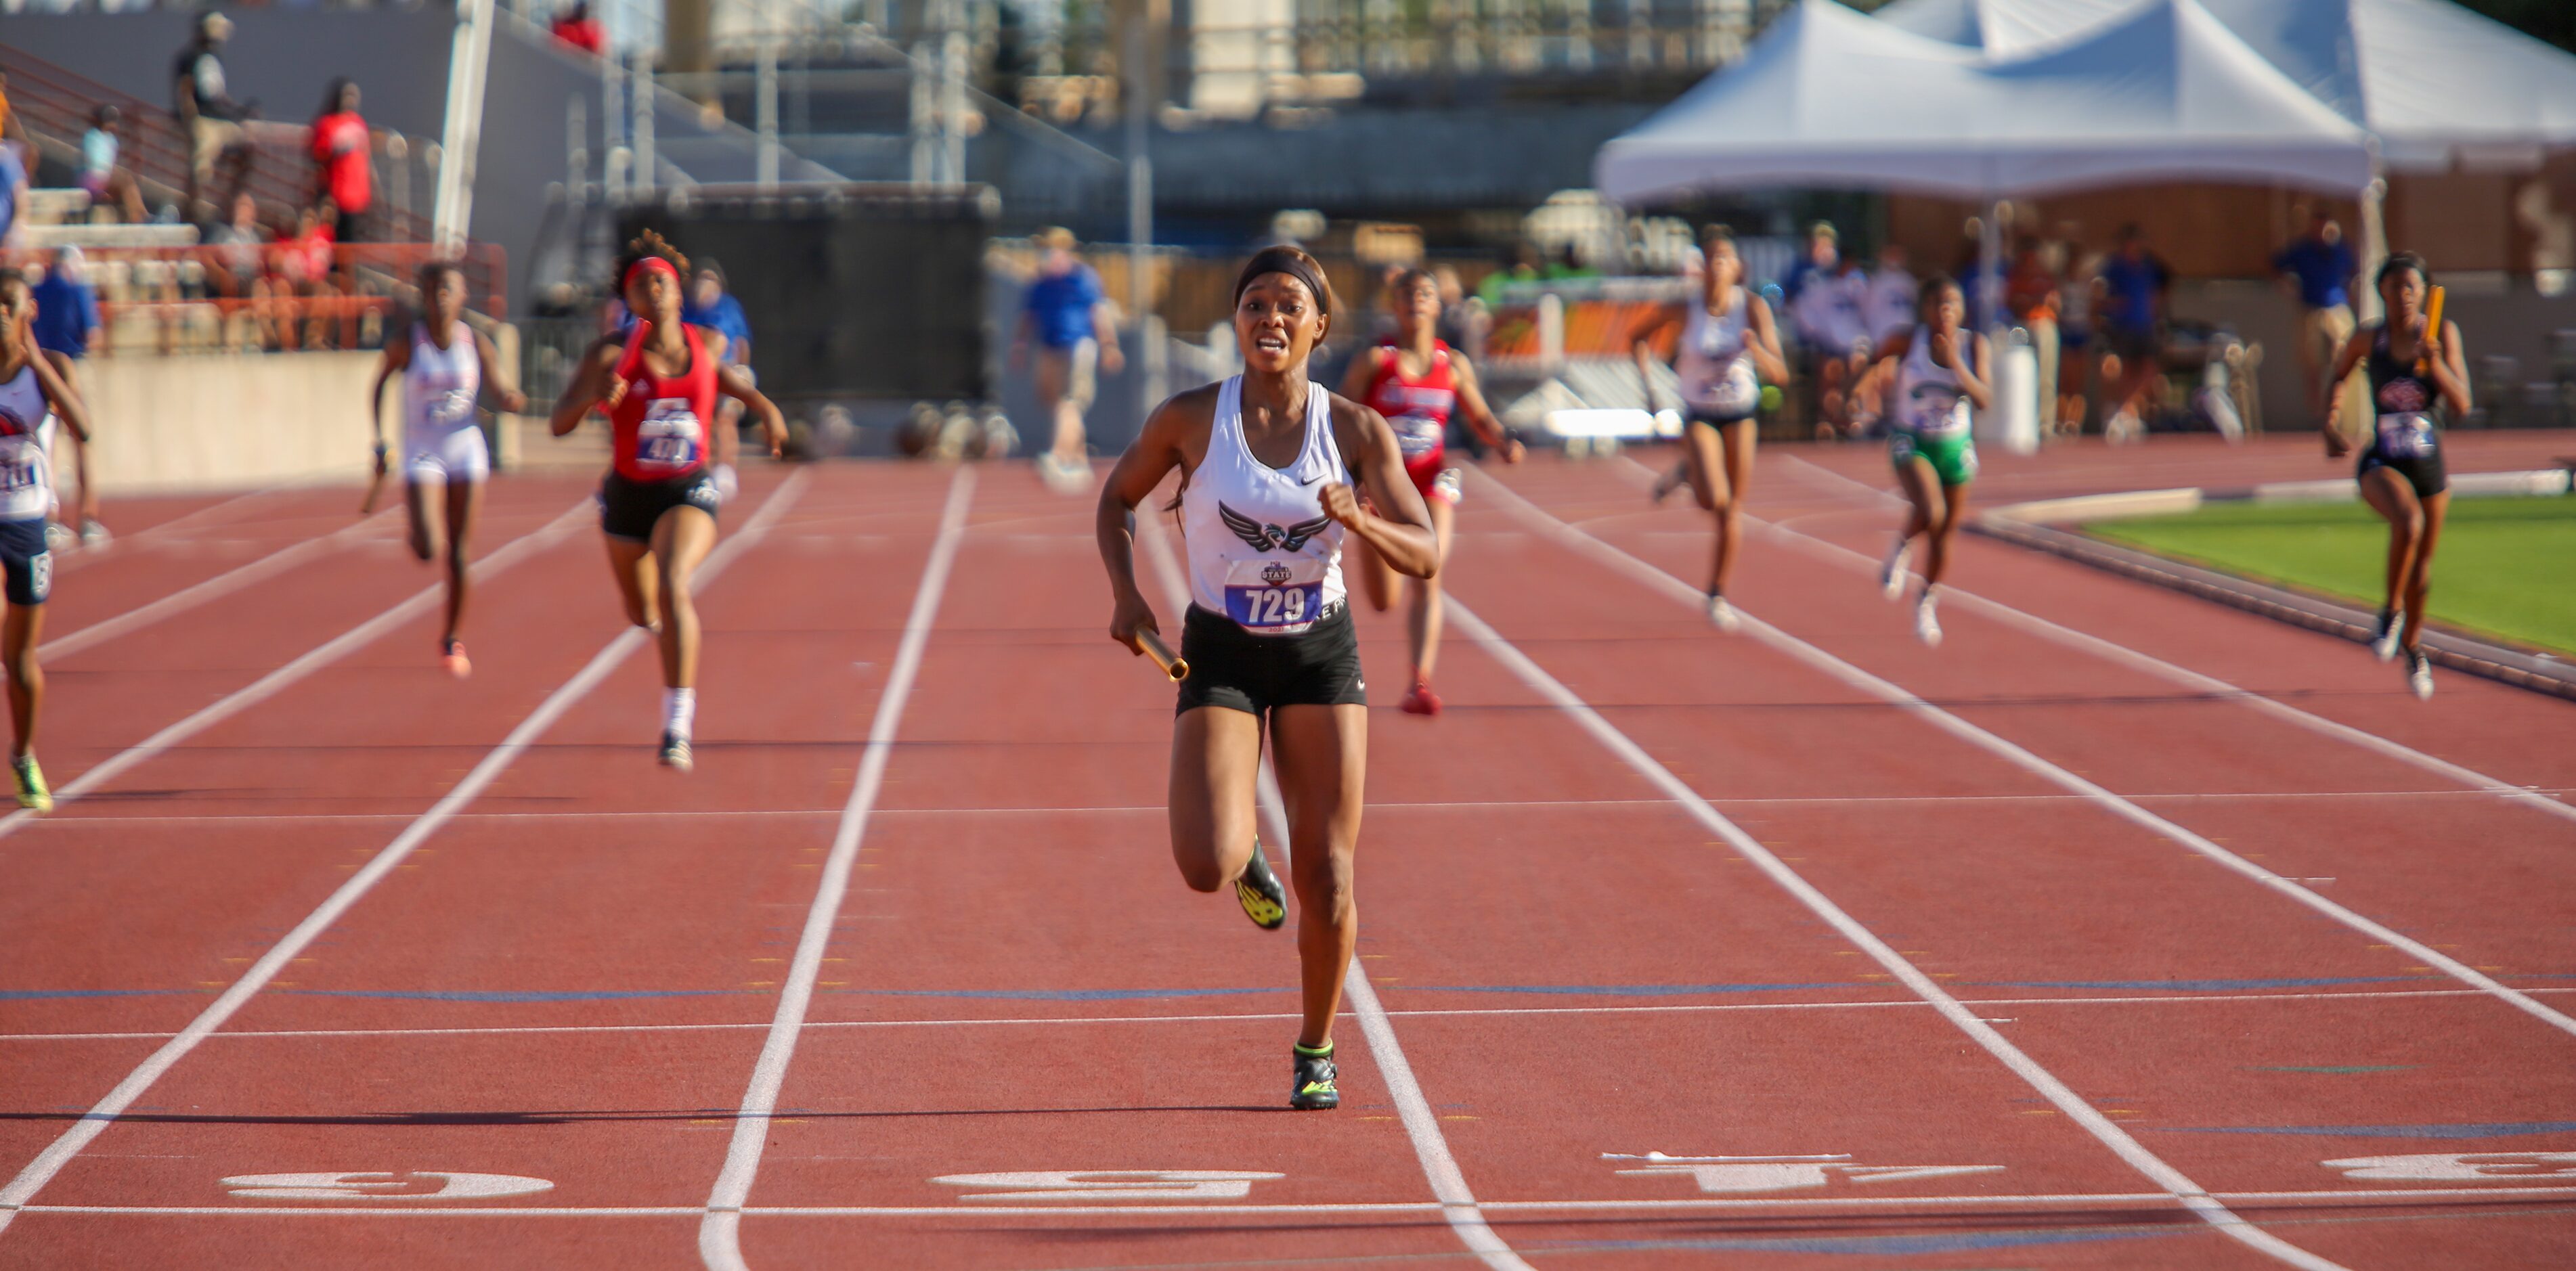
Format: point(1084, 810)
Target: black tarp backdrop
point(852, 292)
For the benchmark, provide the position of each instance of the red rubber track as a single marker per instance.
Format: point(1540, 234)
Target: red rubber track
point(1018, 982)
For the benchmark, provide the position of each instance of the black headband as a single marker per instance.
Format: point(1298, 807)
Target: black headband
point(1295, 264)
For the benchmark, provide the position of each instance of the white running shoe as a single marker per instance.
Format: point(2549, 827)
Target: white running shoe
point(1446, 485)
point(1723, 615)
point(2419, 674)
point(1891, 579)
point(2392, 626)
point(1927, 628)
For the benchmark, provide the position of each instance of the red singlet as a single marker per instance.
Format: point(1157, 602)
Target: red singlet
point(1417, 408)
point(661, 424)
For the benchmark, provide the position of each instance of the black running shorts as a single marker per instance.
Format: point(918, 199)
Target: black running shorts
point(1235, 669)
point(629, 509)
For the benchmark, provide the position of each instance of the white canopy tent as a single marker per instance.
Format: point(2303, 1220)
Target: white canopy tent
point(1828, 97)
point(2433, 83)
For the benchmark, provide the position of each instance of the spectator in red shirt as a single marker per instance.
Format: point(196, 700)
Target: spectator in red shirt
point(575, 28)
point(342, 171)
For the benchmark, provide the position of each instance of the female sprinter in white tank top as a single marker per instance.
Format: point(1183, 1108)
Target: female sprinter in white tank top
point(30, 389)
point(1268, 459)
point(444, 365)
point(1728, 349)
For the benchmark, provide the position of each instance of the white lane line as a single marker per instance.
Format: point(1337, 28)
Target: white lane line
point(1698, 1008)
point(720, 1222)
point(2416, 1197)
point(1904, 699)
point(60, 1152)
point(188, 598)
point(314, 659)
point(2192, 1195)
point(2188, 678)
point(1391, 805)
point(151, 535)
point(1421, 1125)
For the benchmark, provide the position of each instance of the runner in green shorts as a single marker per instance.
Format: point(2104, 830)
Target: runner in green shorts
point(1936, 377)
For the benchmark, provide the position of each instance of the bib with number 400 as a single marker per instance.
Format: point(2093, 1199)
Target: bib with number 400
point(668, 436)
point(1275, 597)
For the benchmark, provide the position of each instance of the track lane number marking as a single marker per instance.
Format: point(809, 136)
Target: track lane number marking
point(2458, 1167)
point(417, 1185)
point(1780, 1173)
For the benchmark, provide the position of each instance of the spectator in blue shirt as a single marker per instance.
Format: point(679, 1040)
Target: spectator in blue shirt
point(709, 306)
point(1064, 315)
point(2131, 321)
point(2317, 270)
point(13, 192)
point(66, 307)
point(66, 321)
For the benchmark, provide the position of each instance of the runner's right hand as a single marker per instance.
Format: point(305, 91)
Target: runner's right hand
point(1131, 616)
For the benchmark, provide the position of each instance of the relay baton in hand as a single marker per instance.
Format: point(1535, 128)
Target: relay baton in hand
point(1172, 663)
point(632, 359)
point(2432, 330)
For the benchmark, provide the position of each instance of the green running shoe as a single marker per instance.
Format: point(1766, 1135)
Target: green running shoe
point(1312, 1088)
point(32, 794)
point(1265, 902)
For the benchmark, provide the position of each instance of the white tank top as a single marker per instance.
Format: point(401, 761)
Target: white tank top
point(26, 469)
point(1261, 551)
point(1715, 370)
point(1928, 400)
point(441, 385)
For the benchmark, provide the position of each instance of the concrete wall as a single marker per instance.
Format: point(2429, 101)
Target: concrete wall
point(172, 424)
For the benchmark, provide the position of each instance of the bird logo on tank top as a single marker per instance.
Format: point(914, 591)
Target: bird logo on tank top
point(1271, 538)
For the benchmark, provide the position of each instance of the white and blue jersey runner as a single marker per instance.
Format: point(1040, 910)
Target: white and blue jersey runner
point(1261, 551)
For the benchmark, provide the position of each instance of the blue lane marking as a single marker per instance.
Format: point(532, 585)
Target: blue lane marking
point(1060, 995)
point(1891, 1246)
point(1622, 990)
point(33, 995)
point(508, 995)
point(2204, 986)
point(2459, 1130)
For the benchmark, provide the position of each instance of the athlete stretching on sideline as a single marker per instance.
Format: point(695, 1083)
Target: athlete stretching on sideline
point(444, 365)
point(1417, 382)
point(1265, 511)
point(1937, 378)
point(2419, 382)
point(1728, 349)
point(657, 505)
point(29, 389)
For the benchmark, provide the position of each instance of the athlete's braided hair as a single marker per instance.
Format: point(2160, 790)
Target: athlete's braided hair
point(647, 245)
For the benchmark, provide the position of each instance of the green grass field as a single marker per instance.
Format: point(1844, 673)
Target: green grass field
point(2506, 566)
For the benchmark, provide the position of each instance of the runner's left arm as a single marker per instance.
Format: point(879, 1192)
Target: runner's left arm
point(512, 400)
point(1479, 416)
point(2449, 369)
point(731, 381)
point(58, 391)
point(1394, 522)
point(88, 506)
point(1765, 342)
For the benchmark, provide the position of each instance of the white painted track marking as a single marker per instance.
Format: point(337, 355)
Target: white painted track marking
point(2424, 1198)
point(720, 1223)
point(2192, 1195)
point(187, 598)
point(151, 535)
point(1430, 1146)
point(504, 1030)
point(314, 659)
point(2011, 752)
point(60, 1152)
point(2184, 676)
point(1413, 805)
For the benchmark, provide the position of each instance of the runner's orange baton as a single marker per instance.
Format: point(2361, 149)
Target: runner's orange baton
point(2432, 330)
point(1173, 664)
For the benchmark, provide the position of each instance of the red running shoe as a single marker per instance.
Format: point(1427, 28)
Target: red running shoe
point(1421, 701)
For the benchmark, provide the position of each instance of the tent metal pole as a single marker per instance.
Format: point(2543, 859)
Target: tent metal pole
point(2374, 239)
